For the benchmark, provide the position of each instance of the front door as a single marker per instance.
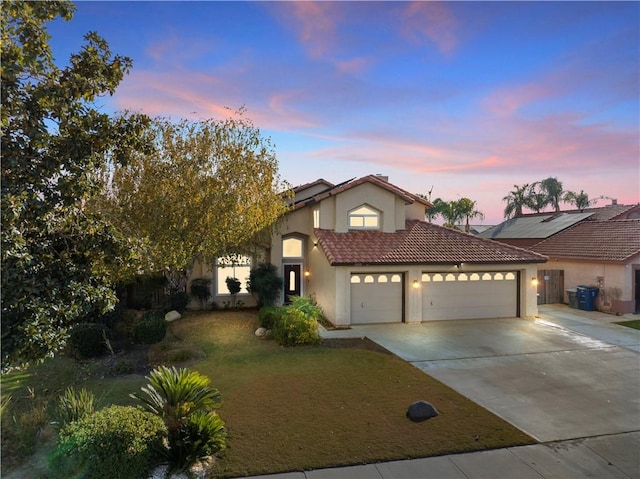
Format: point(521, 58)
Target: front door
point(292, 281)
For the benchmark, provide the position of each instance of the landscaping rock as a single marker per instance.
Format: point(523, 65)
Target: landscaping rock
point(421, 411)
point(172, 316)
point(261, 332)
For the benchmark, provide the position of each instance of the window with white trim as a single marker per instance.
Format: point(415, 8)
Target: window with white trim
point(236, 266)
point(364, 217)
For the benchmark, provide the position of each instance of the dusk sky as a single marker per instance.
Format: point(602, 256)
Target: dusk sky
point(465, 98)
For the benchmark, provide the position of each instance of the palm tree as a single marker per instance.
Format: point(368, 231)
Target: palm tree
point(436, 208)
point(467, 209)
point(579, 200)
point(450, 212)
point(516, 200)
point(552, 187)
point(537, 200)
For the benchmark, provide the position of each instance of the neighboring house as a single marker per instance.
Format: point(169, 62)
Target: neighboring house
point(529, 229)
point(364, 251)
point(586, 247)
point(605, 254)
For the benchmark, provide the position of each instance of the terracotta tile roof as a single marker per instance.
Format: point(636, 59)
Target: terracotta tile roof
point(609, 241)
point(376, 180)
point(419, 243)
point(319, 181)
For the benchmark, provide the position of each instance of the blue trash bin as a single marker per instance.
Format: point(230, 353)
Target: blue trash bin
point(587, 297)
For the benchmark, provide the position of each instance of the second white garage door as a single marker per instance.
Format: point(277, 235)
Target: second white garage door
point(376, 298)
point(469, 295)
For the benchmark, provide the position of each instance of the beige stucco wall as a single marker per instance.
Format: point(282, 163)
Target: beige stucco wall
point(616, 281)
point(376, 197)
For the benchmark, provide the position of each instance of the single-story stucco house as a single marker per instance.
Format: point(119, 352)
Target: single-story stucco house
point(597, 247)
point(364, 251)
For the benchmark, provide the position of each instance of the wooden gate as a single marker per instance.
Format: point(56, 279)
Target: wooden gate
point(550, 286)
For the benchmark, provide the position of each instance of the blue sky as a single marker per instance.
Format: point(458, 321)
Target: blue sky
point(467, 98)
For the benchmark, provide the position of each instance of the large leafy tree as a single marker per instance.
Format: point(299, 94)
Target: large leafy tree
point(210, 188)
point(57, 257)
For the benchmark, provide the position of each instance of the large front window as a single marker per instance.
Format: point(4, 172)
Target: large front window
point(235, 266)
point(364, 217)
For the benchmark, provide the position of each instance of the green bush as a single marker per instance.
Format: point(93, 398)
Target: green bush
point(296, 328)
point(307, 305)
point(150, 329)
point(119, 442)
point(185, 401)
point(87, 340)
point(269, 315)
point(201, 289)
point(178, 301)
point(73, 405)
point(265, 283)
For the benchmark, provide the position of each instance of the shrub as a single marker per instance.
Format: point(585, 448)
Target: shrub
point(179, 301)
point(265, 283)
point(73, 405)
point(113, 443)
point(87, 340)
point(201, 434)
point(150, 329)
point(295, 328)
point(182, 398)
point(269, 315)
point(307, 305)
point(201, 289)
point(29, 425)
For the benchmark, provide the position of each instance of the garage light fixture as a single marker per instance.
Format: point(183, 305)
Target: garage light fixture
point(534, 281)
point(416, 284)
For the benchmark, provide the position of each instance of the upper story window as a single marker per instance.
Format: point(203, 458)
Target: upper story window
point(292, 248)
point(316, 218)
point(364, 217)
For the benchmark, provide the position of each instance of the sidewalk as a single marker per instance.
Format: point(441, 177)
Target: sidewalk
point(602, 457)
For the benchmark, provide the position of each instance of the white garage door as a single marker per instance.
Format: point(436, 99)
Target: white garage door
point(469, 295)
point(376, 298)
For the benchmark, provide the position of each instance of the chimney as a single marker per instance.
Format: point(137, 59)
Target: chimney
point(614, 201)
point(382, 177)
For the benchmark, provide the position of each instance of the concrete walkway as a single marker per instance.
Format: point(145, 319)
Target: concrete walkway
point(567, 374)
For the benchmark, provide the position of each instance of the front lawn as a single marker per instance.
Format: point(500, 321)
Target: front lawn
point(299, 408)
point(634, 323)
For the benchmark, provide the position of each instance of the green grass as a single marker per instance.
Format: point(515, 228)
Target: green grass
point(311, 407)
point(292, 409)
point(635, 323)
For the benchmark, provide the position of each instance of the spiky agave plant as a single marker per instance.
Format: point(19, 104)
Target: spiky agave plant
point(185, 401)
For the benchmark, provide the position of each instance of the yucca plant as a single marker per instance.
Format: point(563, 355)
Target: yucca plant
point(185, 400)
point(73, 405)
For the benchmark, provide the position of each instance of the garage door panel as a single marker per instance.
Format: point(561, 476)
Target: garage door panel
point(376, 298)
point(495, 296)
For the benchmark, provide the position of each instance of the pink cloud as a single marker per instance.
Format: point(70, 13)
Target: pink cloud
point(434, 21)
point(315, 23)
point(354, 65)
point(186, 94)
point(508, 100)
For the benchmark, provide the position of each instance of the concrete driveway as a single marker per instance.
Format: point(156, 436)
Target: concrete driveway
point(552, 382)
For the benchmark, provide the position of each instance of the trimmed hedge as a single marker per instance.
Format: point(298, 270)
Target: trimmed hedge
point(87, 340)
point(295, 328)
point(118, 442)
point(150, 329)
point(268, 316)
